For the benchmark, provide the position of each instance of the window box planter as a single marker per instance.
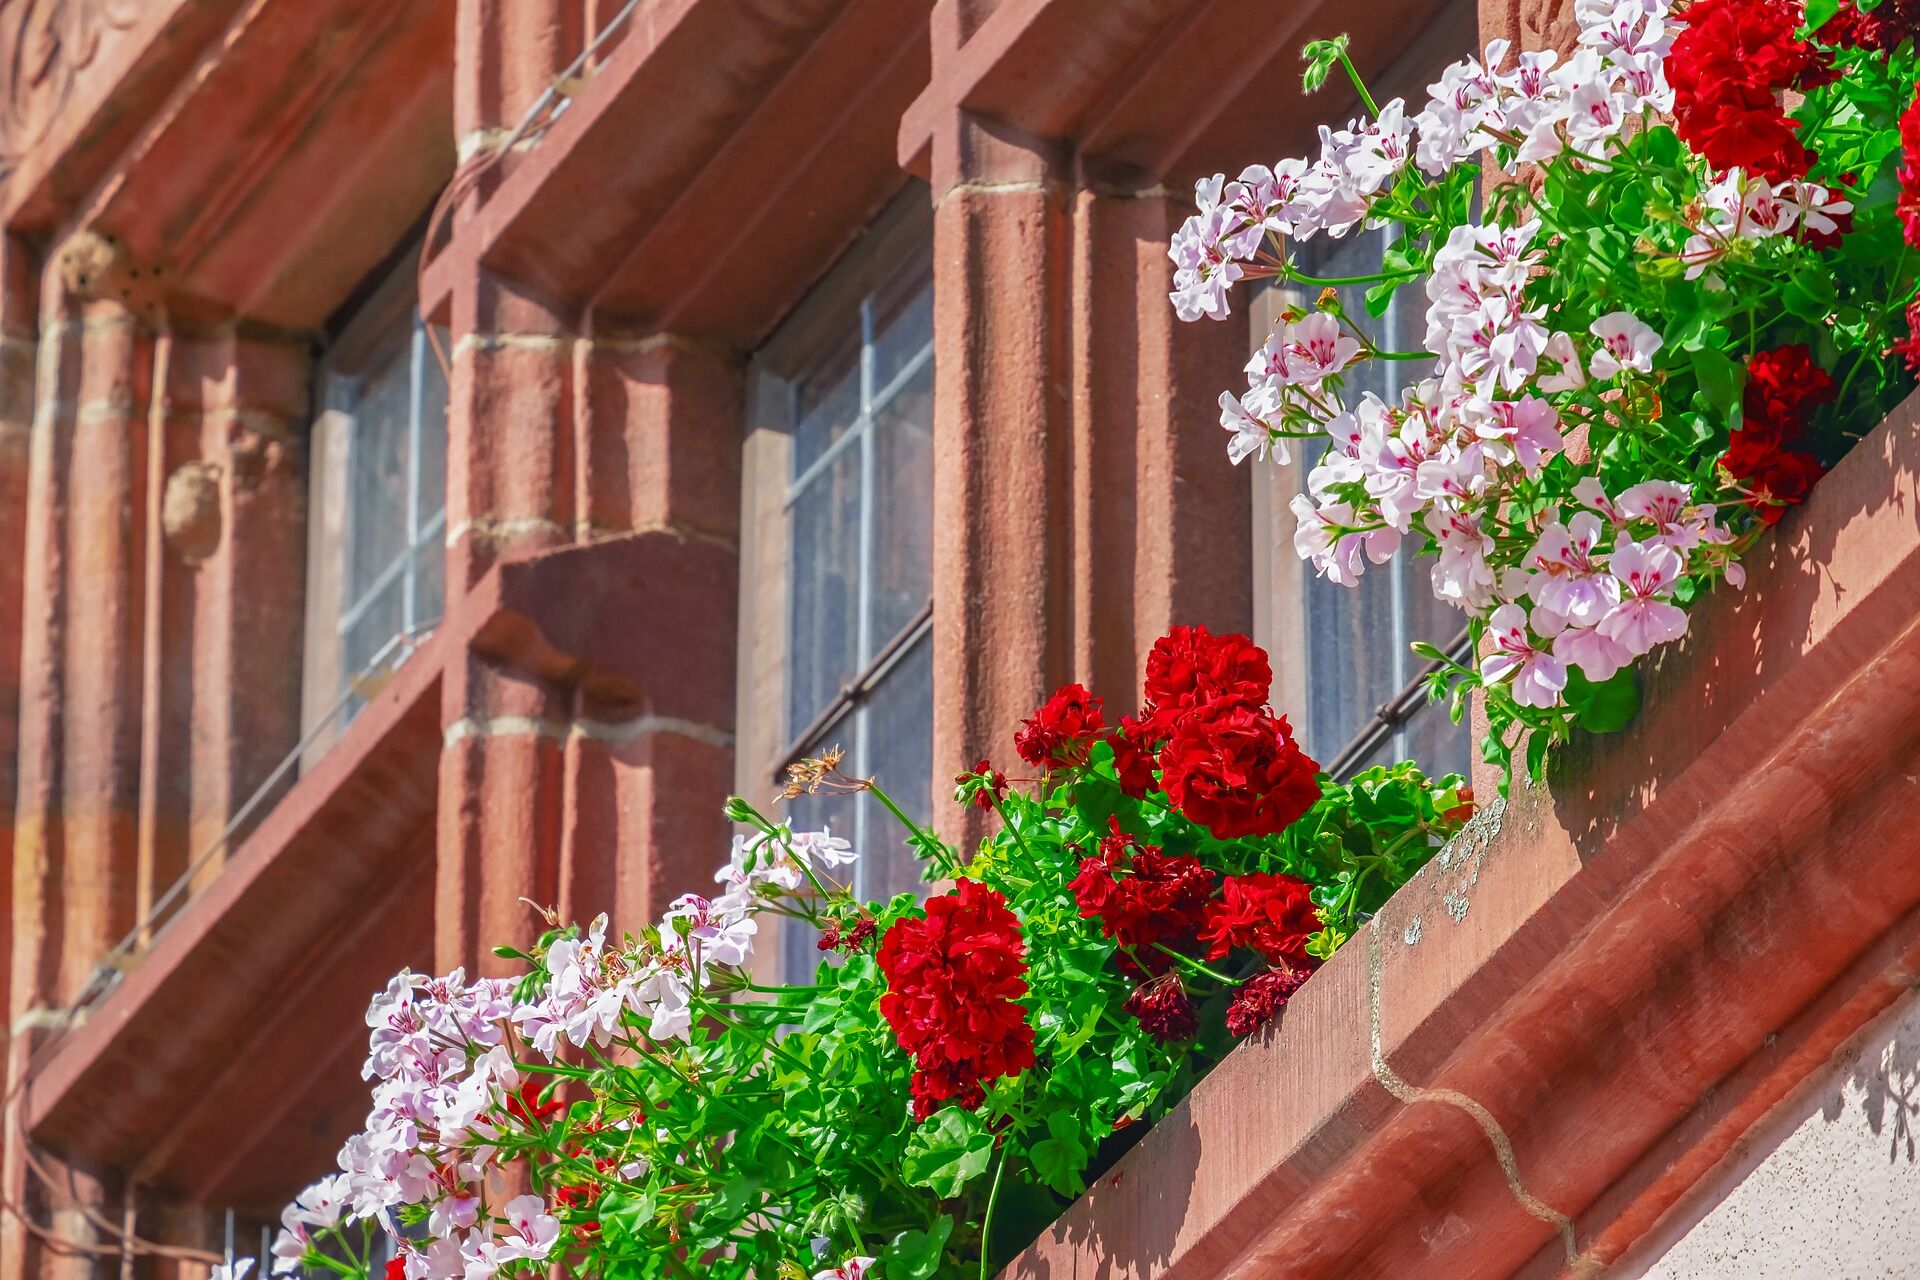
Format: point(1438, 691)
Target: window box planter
point(1551, 1034)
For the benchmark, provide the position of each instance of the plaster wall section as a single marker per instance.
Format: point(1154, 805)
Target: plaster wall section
point(1824, 1188)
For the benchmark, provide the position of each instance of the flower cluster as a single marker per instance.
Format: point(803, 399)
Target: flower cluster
point(1728, 69)
point(449, 1096)
point(1784, 386)
point(452, 1103)
point(1159, 909)
point(1602, 431)
point(1149, 903)
point(1223, 759)
point(954, 980)
point(636, 1098)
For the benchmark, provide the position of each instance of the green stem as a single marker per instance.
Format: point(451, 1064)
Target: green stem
point(986, 1221)
point(1338, 282)
point(921, 837)
point(1195, 965)
point(1360, 86)
point(1013, 831)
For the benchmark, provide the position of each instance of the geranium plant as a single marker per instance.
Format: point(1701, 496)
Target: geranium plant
point(955, 1069)
point(1667, 279)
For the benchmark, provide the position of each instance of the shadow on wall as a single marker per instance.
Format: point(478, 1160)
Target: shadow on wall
point(1848, 1131)
point(1141, 1240)
point(1885, 1083)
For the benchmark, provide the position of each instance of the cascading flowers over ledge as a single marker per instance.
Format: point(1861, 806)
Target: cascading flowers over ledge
point(1694, 273)
point(953, 1073)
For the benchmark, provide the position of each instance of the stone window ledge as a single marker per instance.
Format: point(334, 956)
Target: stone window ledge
point(238, 1006)
point(1582, 1005)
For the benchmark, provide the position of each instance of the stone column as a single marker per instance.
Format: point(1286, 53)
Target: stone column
point(234, 524)
point(18, 345)
point(76, 822)
point(1082, 501)
point(509, 490)
point(1162, 522)
point(1002, 513)
point(661, 422)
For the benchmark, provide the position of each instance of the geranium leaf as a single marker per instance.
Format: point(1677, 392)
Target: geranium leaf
point(947, 1152)
point(915, 1255)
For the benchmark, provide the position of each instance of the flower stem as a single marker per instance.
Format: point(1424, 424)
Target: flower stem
point(1195, 965)
point(1360, 86)
point(986, 1221)
point(924, 839)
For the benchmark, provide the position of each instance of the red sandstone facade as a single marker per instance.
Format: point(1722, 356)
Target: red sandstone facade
point(201, 199)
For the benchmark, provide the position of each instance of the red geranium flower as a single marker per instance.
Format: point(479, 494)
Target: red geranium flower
point(1236, 771)
point(526, 1107)
point(1726, 69)
point(1908, 348)
point(1062, 731)
point(1784, 385)
point(1262, 998)
point(1882, 31)
point(1133, 757)
point(1164, 1009)
point(1272, 914)
point(396, 1269)
point(1774, 476)
point(953, 979)
point(993, 788)
point(1189, 667)
point(1908, 203)
point(1153, 900)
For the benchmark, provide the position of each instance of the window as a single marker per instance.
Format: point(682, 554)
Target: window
point(376, 555)
point(838, 606)
point(1342, 654)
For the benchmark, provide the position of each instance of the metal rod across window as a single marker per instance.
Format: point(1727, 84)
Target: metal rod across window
point(858, 689)
point(1392, 714)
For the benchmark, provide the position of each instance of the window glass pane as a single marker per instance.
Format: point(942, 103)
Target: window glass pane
point(368, 633)
point(1357, 638)
point(902, 324)
point(826, 403)
point(899, 756)
point(823, 632)
point(377, 462)
point(430, 584)
point(902, 507)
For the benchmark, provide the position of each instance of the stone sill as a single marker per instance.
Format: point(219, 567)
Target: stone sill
point(1555, 1031)
point(231, 1024)
point(234, 1013)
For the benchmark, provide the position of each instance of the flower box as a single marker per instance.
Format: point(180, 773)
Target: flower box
point(1559, 1027)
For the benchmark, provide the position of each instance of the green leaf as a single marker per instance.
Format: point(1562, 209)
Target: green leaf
point(1537, 743)
point(1061, 1159)
point(915, 1255)
point(947, 1152)
point(1720, 379)
point(1606, 707)
point(1818, 11)
point(1809, 292)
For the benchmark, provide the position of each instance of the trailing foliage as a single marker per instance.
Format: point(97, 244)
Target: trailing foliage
point(1660, 303)
point(953, 1072)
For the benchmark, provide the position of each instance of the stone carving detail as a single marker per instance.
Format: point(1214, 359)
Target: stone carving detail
point(45, 47)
